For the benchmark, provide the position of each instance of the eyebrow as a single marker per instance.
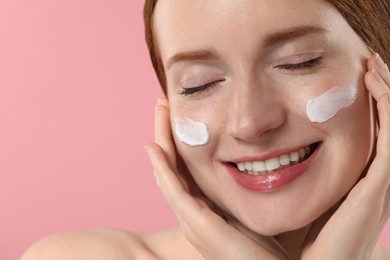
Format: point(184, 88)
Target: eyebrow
point(269, 41)
point(291, 33)
point(206, 54)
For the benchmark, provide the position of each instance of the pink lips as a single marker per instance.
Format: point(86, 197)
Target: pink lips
point(272, 181)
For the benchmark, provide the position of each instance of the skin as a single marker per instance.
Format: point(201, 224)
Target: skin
point(241, 123)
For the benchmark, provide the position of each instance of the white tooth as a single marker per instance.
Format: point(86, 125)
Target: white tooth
point(307, 150)
point(259, 166)
point(284, 160)
point(241, 167)
point(255, 173)
point(301, 153)
point(248, 166)
point(294, 157)
point(272, 164)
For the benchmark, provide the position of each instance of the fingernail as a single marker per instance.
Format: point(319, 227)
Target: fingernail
point(162, 101)
point(380, 63)
point(377, 76)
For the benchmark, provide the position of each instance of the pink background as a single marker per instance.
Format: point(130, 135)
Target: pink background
point(77, 96)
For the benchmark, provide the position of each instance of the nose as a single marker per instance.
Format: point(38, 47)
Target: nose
point(255, 111)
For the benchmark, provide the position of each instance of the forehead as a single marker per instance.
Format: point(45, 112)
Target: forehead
point(182, 25)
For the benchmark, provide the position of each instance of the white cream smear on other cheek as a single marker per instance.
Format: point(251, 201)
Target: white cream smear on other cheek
point(191, 132)
point(326, 106)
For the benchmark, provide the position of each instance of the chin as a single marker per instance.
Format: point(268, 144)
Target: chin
point(279, 225)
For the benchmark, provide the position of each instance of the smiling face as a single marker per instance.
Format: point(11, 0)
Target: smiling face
point(247, 69)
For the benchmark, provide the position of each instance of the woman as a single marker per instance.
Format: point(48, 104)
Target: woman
point(273, 142)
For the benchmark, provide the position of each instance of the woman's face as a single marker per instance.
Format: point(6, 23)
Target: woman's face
point(265, 60)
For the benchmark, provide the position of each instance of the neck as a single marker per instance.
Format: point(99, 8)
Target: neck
point(292, 242)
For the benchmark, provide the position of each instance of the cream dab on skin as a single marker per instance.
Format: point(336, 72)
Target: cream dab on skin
point(191, 132)
point(326, 106)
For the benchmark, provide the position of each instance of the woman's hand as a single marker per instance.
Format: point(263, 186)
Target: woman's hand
point(352, 231)
point(209, 233)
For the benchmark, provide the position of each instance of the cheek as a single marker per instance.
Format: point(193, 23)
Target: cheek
point(328, 104)
point(190, 132)
point(322, 95)
point(320, 101)
point(338, 105)
point(195, 133)
point(358, 127)
point(349, 133)
point(340, 109)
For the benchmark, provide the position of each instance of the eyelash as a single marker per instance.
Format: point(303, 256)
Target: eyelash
point(303, 65)
point(193, 90)
point(298, 66)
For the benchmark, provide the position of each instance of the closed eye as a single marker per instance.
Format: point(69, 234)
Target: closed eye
point(198, 89)
point(302, 65)
point(292, 66)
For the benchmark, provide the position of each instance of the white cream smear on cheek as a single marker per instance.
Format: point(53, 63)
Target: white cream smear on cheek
point(191, 132)
point(326, 106)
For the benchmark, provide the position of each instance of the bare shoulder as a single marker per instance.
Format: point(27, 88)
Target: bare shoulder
point(170, 244)
point(112, 244)
point(89, 244)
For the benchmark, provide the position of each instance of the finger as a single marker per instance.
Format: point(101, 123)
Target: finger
point(189, 211)
point(379, 169)
point(362, 214)
point(377, 78)
point(378, 175)
point(163, 132)
point(353, 230)
point(376, 63)
point(207, 231)
point(163, 101)
point(375, 84)
point(377, 179)
point(383, 142)
point(174, 190)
